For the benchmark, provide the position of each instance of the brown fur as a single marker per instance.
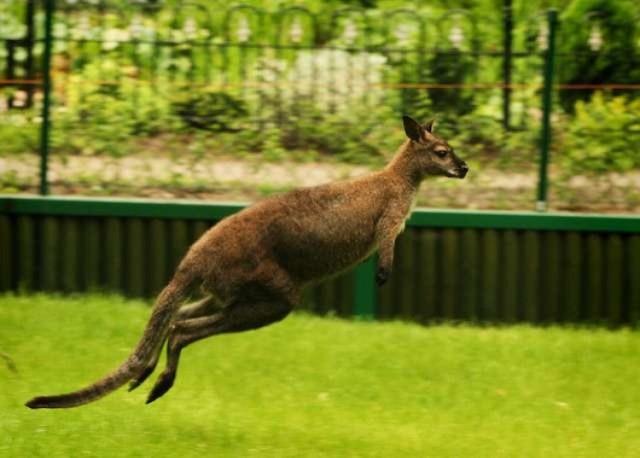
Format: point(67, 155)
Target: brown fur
point(254, 264)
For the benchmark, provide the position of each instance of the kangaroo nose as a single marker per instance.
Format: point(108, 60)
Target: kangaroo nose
point(464, 168)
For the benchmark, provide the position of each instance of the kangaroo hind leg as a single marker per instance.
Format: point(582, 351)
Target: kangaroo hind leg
point(202, 307)
point(241, 315)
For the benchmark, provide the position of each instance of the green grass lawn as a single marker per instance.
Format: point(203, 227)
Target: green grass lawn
point(320, 387)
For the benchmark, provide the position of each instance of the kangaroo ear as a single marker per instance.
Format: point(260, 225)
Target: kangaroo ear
point(430, 126)
point(412, 128)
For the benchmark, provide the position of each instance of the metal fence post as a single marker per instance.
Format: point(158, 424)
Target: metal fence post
point(552, 20)
point(364, 293)
point(46, 96)
point(507, 63)
point(30, 14)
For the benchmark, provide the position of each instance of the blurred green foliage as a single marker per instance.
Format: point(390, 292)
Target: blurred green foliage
point(603, 136)
point(112, 113)
point(601, 39)
point(327, 97)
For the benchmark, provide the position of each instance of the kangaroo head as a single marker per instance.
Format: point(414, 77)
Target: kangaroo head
point(431, 155)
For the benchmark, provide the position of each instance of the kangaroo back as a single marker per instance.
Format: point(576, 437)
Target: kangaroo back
point(164, 309)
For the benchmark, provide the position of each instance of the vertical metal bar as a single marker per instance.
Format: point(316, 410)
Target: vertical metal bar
point(364, 293)
point(46, 100)
point(30, 13)
point(506, 63)
point(552, 19)
point(10, 45)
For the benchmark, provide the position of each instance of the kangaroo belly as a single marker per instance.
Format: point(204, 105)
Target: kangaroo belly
point(311, 250)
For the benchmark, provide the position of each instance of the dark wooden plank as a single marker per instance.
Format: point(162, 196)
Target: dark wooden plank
point(179, 242)
point(307, 300)
point(315, 296)
point(404, 273)
point(136, 265)
point(69, 255)
point(594, 290)
point(50, 254)
point(344, 296)
point(157, 263)
point(199, 228)
point(509, 310)
point(449, 274)
point(490, 268)
point(633, 278)
point(330, 290)
point(572, 278)
point(614, 279)
point(551, 277)
point(26, 253)
point(91, 255)
point(6, 254)
point(470, 278)
point(428, 275)
point(530, 265)
point(113, 254)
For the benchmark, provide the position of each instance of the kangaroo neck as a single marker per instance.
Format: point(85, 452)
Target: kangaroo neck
point(403, 167)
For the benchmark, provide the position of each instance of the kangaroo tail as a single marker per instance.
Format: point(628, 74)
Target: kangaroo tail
point(164, 309)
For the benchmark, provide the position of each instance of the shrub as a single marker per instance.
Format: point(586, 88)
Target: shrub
point(617, 61)
point(451, 67)
point(210, 110)
point(603, 137)
point(330, 106)
point(19, 132)
point(110, 113)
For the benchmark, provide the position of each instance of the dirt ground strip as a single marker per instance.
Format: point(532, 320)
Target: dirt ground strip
point(233, 179)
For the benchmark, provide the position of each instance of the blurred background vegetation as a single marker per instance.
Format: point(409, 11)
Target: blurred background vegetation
point(148, 96)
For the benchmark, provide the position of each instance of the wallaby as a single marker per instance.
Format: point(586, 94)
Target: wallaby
point(254, 264)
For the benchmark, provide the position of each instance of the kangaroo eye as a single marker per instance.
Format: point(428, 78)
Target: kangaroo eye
point(441, 152)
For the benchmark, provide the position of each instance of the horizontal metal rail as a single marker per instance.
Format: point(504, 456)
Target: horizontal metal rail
point(400, 85)
point(198, 210)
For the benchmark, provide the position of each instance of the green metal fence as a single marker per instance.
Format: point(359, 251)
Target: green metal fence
point(116, 78)
point(290, 66)
point(449, 265)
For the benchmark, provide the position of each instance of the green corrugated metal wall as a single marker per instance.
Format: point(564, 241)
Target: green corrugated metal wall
point(135, 256)
point(507, 274)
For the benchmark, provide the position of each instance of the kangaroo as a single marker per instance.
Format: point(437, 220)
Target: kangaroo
point(254, 264)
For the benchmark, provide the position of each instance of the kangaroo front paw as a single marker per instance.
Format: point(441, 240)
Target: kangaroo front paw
point(382, 275)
